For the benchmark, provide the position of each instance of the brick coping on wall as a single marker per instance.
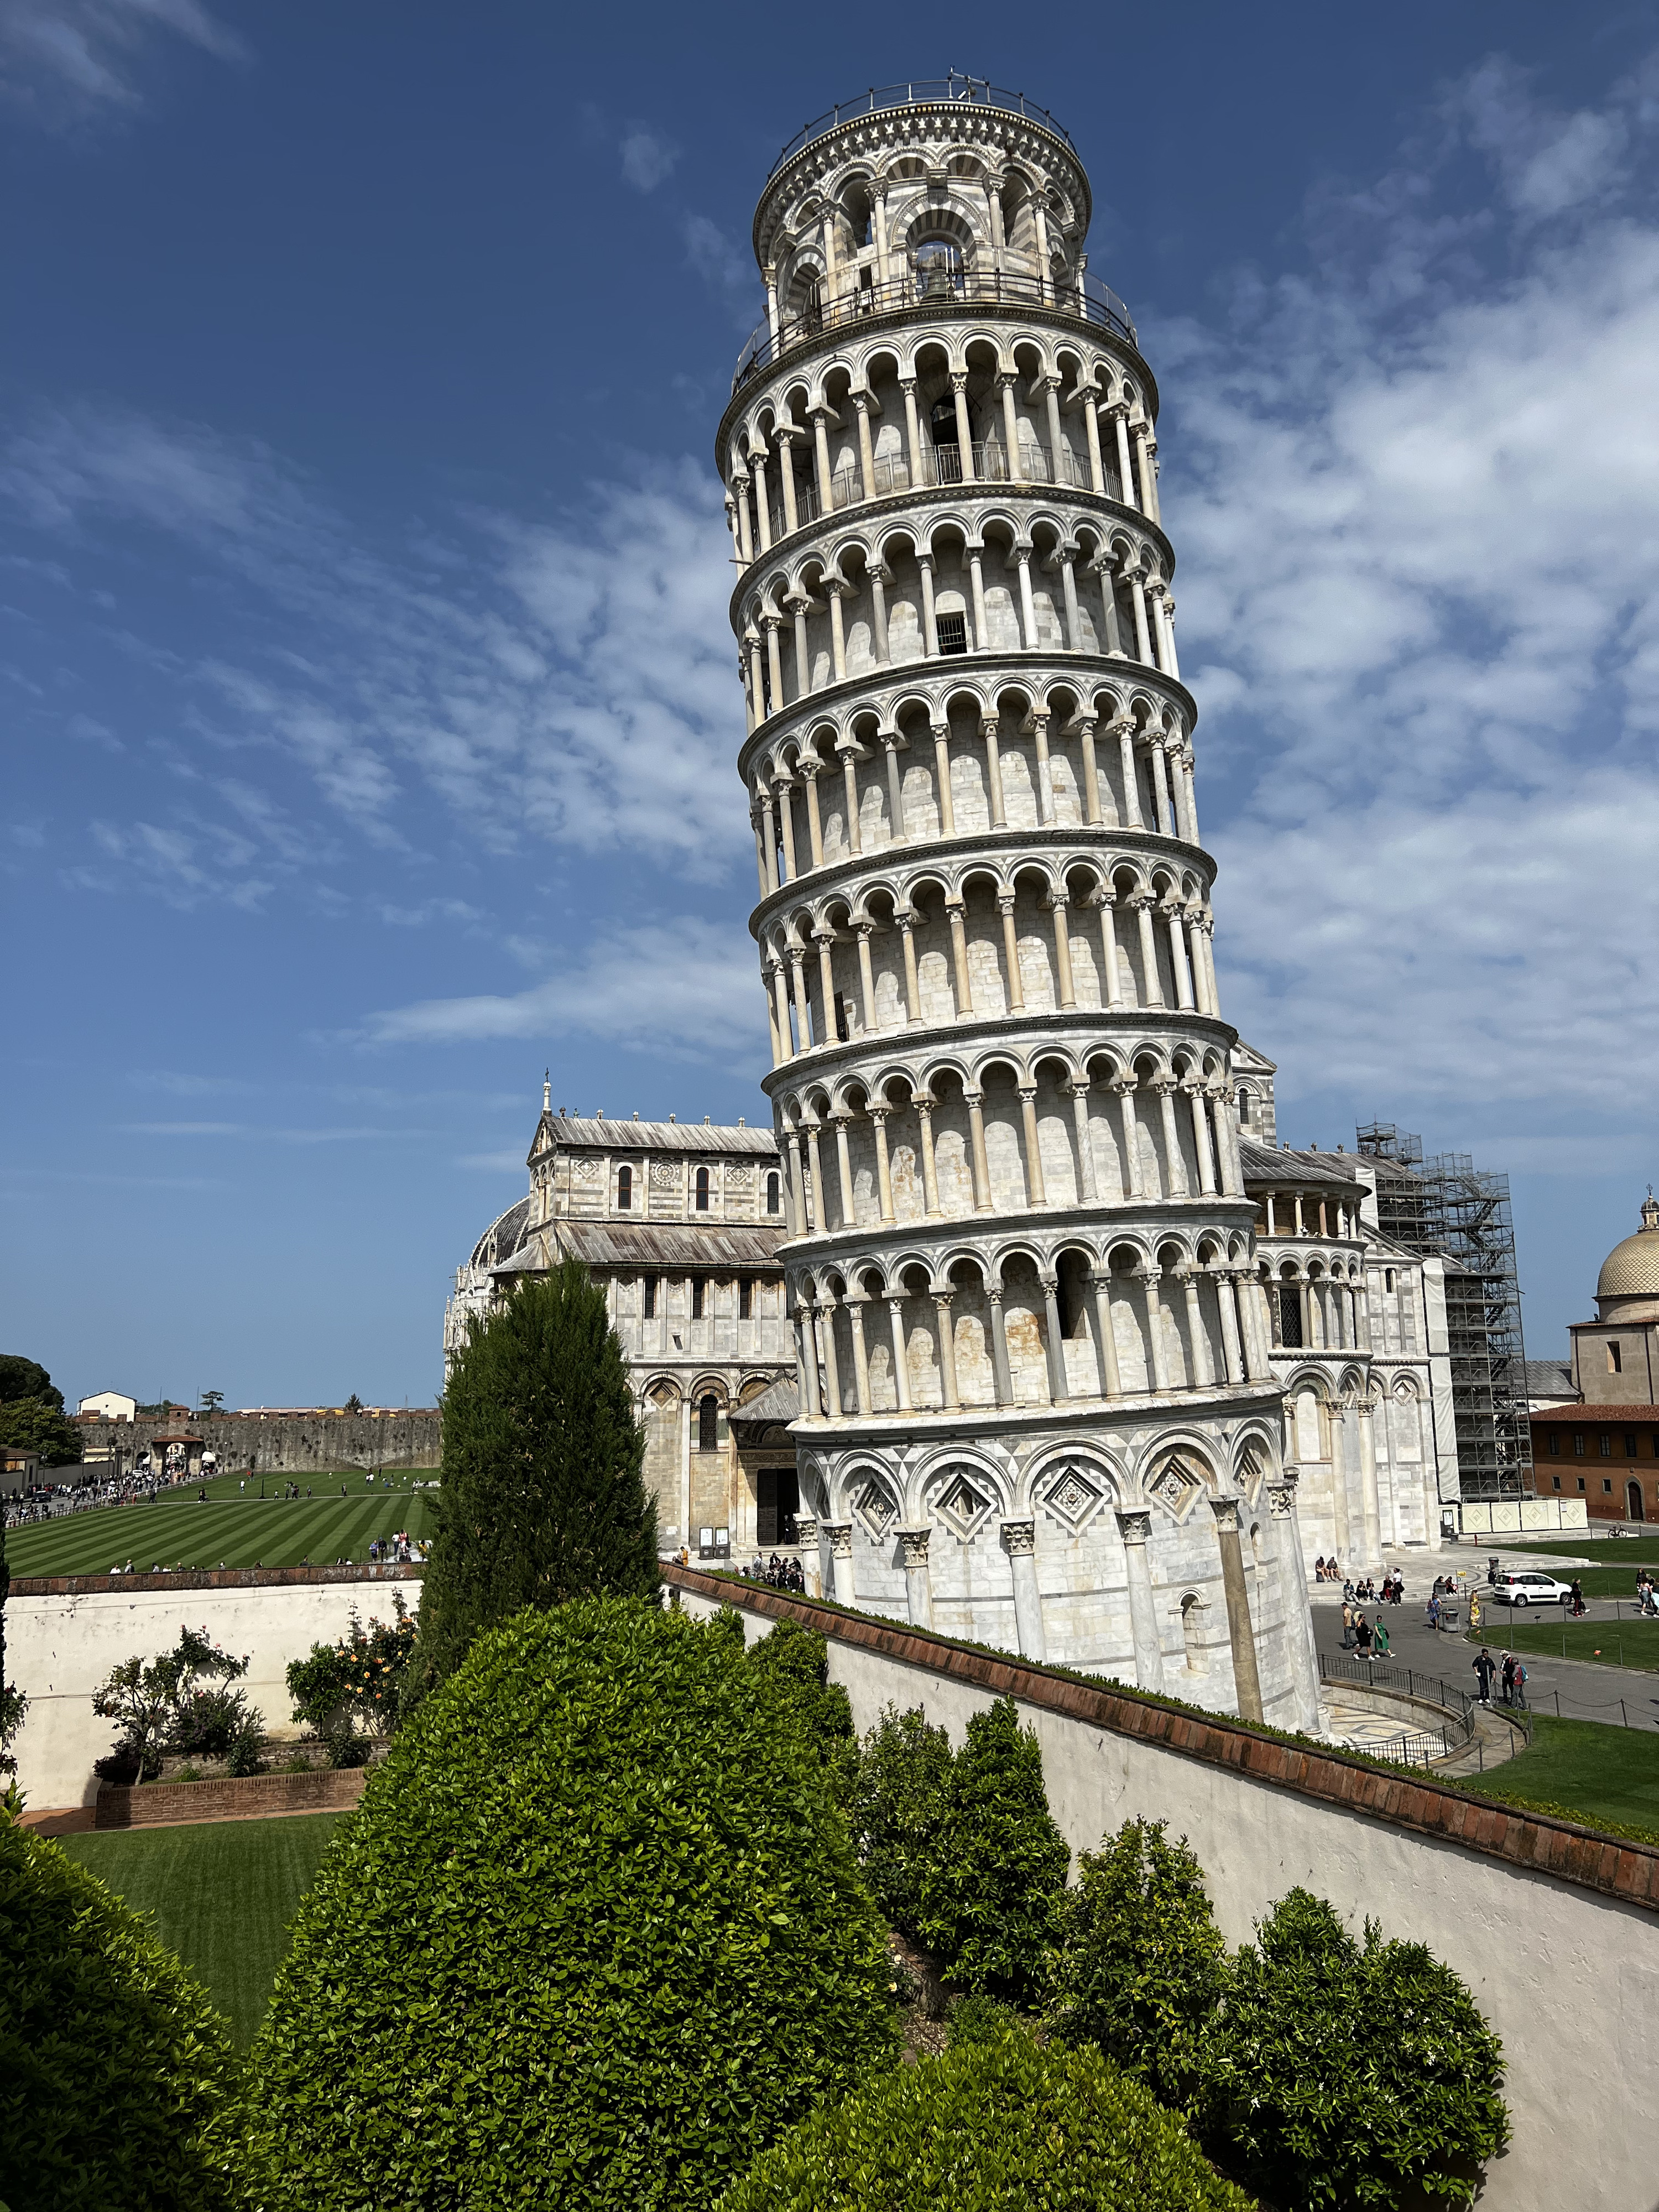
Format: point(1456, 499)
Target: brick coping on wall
point(208, 1578)
point(1628, 1871)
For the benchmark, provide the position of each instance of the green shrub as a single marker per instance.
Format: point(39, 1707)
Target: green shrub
point(118, 2082)
point(543, 1498)
point(898, 1811)
point(980, 2019)
point(988, 1898)
point(1344, 2072)
point(994, 2126)
point(594, 1937)
point(1139, 1966)
point(794, 1662)
point(359, 1680)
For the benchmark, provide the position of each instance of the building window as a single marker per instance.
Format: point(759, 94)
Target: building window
point(1388, 1279)
point(745, 1299)
point(1580, 1482)
point(701, 1189)
point(1555, 1444)
point(1243, 1110)
point(1630, 1443)
point(772, 1194)
point(952, 633)
point(1607, 1487)
point(1616, 1359)
point(1607, 1445)
point(709, 1420)
point(843, 1027)
point(1556, 1480)
point(696, 1297)
point(625, 1188)
point(651, 1298)
point(1290, 1317)
point(1578, 1444)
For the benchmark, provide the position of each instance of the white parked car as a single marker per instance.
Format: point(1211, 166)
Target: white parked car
point(1527, 1587)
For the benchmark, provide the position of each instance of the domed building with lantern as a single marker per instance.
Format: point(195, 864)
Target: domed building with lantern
point(1599, 1440)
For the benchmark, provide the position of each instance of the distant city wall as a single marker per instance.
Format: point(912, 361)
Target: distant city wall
point(287, 1443)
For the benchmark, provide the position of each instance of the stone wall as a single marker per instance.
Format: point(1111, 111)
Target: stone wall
point(64, 1633)
point(290, 1443)
point(1534, 1914)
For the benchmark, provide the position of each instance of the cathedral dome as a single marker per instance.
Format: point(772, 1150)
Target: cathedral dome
point(1631, 1270)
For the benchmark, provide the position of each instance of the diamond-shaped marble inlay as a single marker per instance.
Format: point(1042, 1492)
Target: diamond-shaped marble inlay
point(876, 1510)
point(960, 1505)
point(1174, 1486)
point(1072, 1496)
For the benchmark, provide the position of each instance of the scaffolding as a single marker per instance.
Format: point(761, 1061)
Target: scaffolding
point(1447, 1205)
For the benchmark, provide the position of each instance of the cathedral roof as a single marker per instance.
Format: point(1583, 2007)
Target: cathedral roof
point(1266, 1163)
point(570, 1133)
point(775, 1408)
point(650, 1244)
point(503, 1235)
point(1631, 1270)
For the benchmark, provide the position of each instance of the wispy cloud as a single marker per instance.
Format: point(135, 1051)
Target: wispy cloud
point(1414, 494)
point(723, 266)
point(265, 1134)
point(679, 989)
point(69, 58)
point(647, 156)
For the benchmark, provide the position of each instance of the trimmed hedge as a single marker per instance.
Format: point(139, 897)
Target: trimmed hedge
point(900, 1811)
point(594, 1938)
point(990, 1891)
point(118, 2085)
point(992, 2126)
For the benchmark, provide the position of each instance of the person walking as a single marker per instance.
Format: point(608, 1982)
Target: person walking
point(1347, 1625)
point(1485, 1667)
point(1475, 1609)
point(1577, 1598)
point(1362, 1635)
point(1380, 1646)
point(1520, 1684)
point(1434, 1610)
point(1509, 1678)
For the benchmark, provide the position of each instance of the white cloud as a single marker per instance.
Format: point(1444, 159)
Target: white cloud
point(684, 989)
point(70, 58)
point(724, 267)
point(1414, 497)
point(647, 157)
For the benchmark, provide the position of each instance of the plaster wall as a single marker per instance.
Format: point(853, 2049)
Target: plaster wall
point(62, 1643)
point(1521, 1939)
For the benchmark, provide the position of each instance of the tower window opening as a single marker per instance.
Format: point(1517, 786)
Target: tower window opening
point(708, 1420)
point(625, 1188)
point(942, 422)
point(952, 633)
point(843, 1028)
point(745, 1299)
point(1290, 1317)
point(696, 1297)
point(1616, 1359)
point(702, 1190)
point(773, 1192)
point(1244, 1110)
point(938, 270)
point(650, 1297)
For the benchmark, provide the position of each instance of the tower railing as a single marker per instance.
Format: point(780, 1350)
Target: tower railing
point(1084, 296)
point(961, 90)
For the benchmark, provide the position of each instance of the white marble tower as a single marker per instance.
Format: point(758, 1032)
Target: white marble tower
point(1037, 1406)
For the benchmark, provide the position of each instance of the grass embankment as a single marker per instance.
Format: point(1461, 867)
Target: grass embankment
point(1604, 1642)
point(236, 1528)
point(1602, 1776)
point(224, 1896)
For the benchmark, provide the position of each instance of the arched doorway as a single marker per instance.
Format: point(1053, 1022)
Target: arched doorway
point(1633, 1501)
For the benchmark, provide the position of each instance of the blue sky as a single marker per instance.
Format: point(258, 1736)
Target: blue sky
point(369, 709)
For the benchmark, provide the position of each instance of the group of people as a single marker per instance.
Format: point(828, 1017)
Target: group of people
point(1512, 1677)
point(780, 1574)
point(395, 1549)
point(54, 1501)
point(1369, 1638)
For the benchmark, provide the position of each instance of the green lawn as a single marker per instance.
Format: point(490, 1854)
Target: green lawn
point(1605, 1643)
point(1579, 1767)
point(1587, 1547)
point(233, 1528)
point(223, 1894)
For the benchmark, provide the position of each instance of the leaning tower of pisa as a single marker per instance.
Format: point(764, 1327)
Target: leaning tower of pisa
point(1036, 1406)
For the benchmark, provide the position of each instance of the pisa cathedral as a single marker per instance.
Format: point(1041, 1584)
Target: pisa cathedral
point(1018, 1322)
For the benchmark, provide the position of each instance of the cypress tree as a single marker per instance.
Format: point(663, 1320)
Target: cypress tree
point(544, 1495)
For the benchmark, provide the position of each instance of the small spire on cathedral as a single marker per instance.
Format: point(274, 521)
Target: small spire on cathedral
point(547, 1091)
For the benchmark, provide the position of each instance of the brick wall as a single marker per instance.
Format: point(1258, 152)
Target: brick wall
point(172, 1804)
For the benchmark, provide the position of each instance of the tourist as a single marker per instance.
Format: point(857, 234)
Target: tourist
point(1577, 1598)
point(1485, 1667)
point(1434, 1605)
point(1509, 1678)
point(1347, 1624)
point(1379, 1641)
point(1362, 1635)
point(1519, 1684)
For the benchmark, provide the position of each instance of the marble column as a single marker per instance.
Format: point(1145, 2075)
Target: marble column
point(812, 1561)
point(1247, 1678)
point(1020, 1537)
point(918, 1582)
point(1369, 1507)
point(840, 1583)
point(1136, 1529)
point(1293, 1599)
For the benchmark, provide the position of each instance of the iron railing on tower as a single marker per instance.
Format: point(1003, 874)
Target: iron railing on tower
point(1448, 1205)
point(1085, 297)
point(955, 88)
